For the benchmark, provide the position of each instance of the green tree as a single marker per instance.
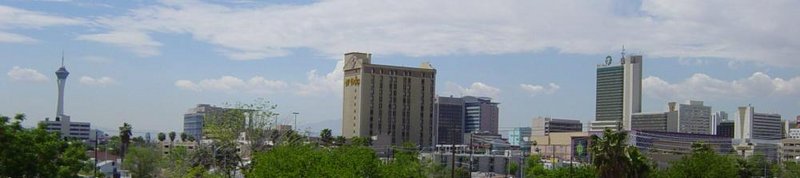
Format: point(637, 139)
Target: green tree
point(310, 160)
point(177, 163)
point(142, 162)
point(638, 164)
point(513, 168)
point(125, 133)
point(339, 140)
point(326, 137)
point(534, 167)
point(37, 152)
point(162, 136)
point(612, 157)
point(577, 172)
point(113, 145)
point(261, 117)
point(758, 166)
point(702, 162)
point(788, 169)
point(360, 141)
point(184, 136)
point(405, 163)
point(139, 141)
point(224, 127)
point(609, 155)
point(171, 138)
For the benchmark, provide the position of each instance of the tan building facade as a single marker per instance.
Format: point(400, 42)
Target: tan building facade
point(389, 104)
point(556, 145)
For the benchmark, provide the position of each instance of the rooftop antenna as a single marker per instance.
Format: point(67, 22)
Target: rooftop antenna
point(62, 58)
point(623, 51)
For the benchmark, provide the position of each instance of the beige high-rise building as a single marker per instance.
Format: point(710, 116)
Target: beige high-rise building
point(389, 104)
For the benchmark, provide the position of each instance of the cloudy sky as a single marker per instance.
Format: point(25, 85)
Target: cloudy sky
point(147, 62)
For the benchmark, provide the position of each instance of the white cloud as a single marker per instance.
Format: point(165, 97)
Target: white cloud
point(100, 81)
point(535, 90)
point(330, 83)
point(96, 59)
point(139, 42)
point(702, 87)
point(14, 18)
point(26, 74)
point(230, 84)
point(14, 38)
point(478, 89)
point(739, 29)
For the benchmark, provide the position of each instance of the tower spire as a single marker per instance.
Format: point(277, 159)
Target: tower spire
point(62, 58)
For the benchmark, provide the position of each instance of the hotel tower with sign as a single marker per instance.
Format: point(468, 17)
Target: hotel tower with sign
point(390, 105)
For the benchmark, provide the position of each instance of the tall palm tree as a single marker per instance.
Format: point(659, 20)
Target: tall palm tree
point(162, 137)
point(125, 133)
point(609, 155)
point(171, 139)
point(638, 163)
point(184, 136)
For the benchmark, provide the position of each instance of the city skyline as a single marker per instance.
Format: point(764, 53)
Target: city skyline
point(149, 74)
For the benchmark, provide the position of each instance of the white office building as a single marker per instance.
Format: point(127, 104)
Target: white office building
point(694, 118)
point(794, 133)
point(757, 132)
point(618, 93)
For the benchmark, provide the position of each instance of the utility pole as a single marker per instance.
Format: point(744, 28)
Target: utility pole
point(453, 160)
point(96, 145)
point(471, 151)
point(295, 120)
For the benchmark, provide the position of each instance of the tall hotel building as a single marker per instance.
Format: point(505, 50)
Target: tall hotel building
point(62, 124)
point(389, 104)
point(450, 121)
point(619, 93)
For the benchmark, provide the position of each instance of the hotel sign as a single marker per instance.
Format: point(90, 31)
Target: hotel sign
point(352, 82)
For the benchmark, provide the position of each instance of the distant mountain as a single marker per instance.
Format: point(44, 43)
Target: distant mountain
point(315, 127)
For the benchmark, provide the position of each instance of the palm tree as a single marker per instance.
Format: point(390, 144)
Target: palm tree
point(162, 136)
point(184, 136)
point(609, 155)
point(171, 139)
point(326, 137)
point(125, 133)
point(638, 164)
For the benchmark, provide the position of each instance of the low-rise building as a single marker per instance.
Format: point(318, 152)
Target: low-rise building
point(68, 129)
point(664, 147)
point(558, 146)
point(794, 133)
point(725, 128)
point(167, 147)
point(520, 137)
point(790, 150)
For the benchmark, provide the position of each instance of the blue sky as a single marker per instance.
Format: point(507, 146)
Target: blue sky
point(147, 62)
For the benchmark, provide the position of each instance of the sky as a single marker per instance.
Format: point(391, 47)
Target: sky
point(148, 62)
